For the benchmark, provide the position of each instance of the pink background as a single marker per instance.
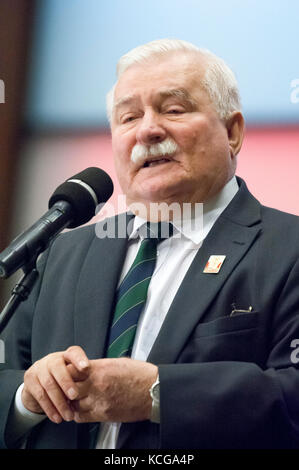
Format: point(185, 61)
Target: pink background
point(268, 161)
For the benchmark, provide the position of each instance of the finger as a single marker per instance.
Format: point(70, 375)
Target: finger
point(40, 396)
point(76, 356)
point(77, 375)
point(58, 387)
point(83, 388)
point(58, 400)
point(83, 405)
point(61, 373)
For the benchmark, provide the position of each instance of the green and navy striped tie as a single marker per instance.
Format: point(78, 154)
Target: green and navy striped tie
point(132, 293)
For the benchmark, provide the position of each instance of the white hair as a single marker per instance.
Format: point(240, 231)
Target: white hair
point(219, 81)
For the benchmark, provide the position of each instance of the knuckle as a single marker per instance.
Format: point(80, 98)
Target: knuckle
point(40, 395)
point(76, 353)
point(49, 384)
point(61, 405)
point(107, 411)
point(66, 384)
point(73, 349)
point(50, 358)
point(31, 373)
point(27, 375)
point(55, 361)
point(88, 402)
point(104, 382)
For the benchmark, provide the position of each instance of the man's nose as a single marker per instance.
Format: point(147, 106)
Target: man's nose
point(150, 130)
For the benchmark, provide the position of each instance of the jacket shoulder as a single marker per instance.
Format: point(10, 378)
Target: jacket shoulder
point(279, 218)
point(85, 235)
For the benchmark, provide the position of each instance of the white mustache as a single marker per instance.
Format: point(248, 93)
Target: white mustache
point(140, 153)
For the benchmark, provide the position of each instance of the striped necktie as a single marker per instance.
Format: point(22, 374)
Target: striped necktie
point(132, 292)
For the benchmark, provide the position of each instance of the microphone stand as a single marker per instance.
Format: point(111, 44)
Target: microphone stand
point(19, 293)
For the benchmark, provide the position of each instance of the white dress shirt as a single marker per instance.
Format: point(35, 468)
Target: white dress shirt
point(174, 258)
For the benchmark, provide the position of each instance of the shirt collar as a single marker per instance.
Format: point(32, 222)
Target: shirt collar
point(198, 227)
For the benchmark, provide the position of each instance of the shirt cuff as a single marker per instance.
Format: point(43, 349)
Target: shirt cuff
point(20, 421)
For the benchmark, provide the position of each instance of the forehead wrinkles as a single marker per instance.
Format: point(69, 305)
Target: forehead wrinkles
point(185, 75)
point(127, 99)
point(181, 93)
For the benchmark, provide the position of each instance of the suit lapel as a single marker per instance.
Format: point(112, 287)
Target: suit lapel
point(232, 235)
point(95, 293)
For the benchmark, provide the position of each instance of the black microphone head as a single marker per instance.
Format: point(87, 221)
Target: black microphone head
point(84, 191)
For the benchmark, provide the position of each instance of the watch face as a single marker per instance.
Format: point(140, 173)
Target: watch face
point(156, 392)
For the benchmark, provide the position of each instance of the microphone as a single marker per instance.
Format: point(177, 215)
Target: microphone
point(72, 204)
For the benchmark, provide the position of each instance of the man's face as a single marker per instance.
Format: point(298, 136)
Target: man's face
point(164, 100)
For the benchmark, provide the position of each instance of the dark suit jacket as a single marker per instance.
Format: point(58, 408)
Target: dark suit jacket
point(227, 381)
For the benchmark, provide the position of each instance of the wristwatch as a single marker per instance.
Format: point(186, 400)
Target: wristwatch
point(155, 395)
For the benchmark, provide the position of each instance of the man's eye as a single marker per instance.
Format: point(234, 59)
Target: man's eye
point(175, 111)
point(128, 119)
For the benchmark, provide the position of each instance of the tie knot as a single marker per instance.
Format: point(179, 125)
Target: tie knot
point(156, 230)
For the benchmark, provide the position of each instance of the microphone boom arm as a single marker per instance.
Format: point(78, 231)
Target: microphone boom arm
point(20, 293)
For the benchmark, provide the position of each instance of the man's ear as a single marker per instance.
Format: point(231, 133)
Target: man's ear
point(235, 126)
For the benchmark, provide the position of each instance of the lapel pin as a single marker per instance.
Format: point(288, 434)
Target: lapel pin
point(214, 264)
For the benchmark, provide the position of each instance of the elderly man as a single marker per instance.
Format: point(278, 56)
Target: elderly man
point(212, 362)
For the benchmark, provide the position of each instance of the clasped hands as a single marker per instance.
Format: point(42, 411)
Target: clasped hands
point(67, 386)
